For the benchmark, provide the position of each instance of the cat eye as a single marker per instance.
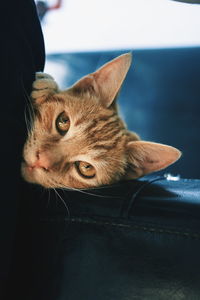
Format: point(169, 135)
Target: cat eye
point(85, 169)
point(62, 123)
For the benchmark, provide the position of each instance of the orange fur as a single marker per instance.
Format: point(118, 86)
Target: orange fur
point(96, 134)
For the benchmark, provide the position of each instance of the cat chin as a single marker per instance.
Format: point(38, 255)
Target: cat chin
point(33, 176)
point(37, 176)
point(27, 174)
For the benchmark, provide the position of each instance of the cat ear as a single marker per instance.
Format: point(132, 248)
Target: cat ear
point(147, 157)
point(106, 81)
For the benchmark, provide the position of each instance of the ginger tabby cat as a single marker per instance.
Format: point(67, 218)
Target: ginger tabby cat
point(78, 140)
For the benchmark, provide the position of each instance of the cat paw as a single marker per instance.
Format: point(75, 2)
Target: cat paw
point(43, 86)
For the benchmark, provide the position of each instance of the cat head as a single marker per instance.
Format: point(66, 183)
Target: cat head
point(77, 138)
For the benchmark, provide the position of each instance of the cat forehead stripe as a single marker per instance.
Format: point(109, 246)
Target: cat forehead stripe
point(104, 117)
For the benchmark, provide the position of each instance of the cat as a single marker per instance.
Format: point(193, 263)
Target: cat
point(78, 140)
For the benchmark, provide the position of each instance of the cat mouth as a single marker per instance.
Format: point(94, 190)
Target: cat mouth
point(32, 174)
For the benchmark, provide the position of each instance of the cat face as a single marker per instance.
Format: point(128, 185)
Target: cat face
point(77, 138)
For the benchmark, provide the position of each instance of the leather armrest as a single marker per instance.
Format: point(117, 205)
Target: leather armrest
point(132, 240)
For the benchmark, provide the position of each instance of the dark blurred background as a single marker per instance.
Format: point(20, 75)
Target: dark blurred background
point(160, 99)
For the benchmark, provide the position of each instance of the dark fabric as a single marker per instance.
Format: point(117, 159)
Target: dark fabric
point(22, 54)
point(134, 240)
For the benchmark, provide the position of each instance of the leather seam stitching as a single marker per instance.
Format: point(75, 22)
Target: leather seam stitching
point(130, 226)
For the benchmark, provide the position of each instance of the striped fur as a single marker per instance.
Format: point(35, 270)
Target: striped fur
point(96, 134)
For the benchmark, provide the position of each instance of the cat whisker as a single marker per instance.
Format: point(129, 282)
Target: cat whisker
point(65, 188)
point(49, 195)
point(62, 200)
point(29, 104)
point(30, 114)
point(27, 122)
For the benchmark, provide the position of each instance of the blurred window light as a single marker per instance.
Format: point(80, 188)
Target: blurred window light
point(92, 25)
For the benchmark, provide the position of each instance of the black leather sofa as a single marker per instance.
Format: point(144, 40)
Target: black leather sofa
point(136, 239)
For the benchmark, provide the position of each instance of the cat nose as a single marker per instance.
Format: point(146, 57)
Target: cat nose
point(41, 162)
